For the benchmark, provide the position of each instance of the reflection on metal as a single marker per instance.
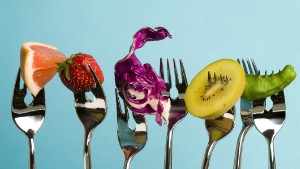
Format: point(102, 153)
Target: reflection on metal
point(28, 118)
point(217, 129)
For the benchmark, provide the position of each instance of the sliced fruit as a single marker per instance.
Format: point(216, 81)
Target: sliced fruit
point(215, 89)
point(38, 64)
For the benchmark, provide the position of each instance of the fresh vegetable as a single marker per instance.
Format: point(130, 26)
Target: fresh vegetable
point(139, 85)
point(76, 75)
point(38, 64)
point(215, 89)
point(262, 86)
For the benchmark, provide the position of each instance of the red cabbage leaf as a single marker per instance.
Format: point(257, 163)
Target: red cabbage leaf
point(139, 85)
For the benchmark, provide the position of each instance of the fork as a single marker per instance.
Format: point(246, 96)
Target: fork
point(246, 115)
point(91, 113)
point(131, 141)
point(28, 118)
point(217, 129)
point(178, 110)
point(268, 123)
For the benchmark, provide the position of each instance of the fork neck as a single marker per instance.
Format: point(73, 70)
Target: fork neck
point(168, 151)
point(208, 153)
point(87, 150)
point(270, 135)
point(272, 163)
point(87, 140)
point(127, 163)
point(30, 135)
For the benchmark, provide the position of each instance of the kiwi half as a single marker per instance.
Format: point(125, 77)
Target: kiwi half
point(215, 89)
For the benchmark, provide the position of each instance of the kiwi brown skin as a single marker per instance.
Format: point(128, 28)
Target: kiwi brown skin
point(262, 86)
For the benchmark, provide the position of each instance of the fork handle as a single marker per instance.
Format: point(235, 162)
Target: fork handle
point(272, 163)
point(31, 152)
point(239, 147)
point(168, 153)
point(87, 150)
point(208, 153)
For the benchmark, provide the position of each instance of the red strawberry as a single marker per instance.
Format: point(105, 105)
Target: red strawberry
point(76, 75)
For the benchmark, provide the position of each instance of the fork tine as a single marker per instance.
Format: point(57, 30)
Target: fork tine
point(183, 75)
point(19, 94)
point(244, 66)
point(119, 110)
point(138, 118)
point(209, 77)
point(176, 74)
point(80, 97)
point(254, 67)
point(126, 111)
point(249, 67)
point(17, 83)
point(97, 90)
point(120, 115)
point(161, 69)
point(169, 84)
point(259, 102)
point(24, 89)
point(40, 98)
point(278, 98)
point(232, 111)
point(161, 72)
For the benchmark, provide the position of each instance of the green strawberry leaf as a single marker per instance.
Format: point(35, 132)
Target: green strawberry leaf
point(63, 67)
point(67, 73)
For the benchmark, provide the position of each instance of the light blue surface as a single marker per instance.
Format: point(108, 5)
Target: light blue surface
point(203, 31)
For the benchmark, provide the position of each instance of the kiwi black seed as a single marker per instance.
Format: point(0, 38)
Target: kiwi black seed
point(223, 79)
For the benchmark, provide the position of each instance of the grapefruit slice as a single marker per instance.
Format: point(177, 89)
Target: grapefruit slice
point(38, 64)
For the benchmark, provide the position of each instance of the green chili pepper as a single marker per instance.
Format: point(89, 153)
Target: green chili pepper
point(262, 86)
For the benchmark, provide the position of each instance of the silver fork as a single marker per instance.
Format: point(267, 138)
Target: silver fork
point(28, 118)
point(246, 115)
point(91, 113)
point(178, 110)
point(217, 128)
point(268, 123)
point(131, 141)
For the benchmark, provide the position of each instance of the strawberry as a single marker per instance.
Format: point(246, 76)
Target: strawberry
point(76, 75)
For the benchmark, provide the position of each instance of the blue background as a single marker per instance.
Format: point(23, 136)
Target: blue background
point(203, 31)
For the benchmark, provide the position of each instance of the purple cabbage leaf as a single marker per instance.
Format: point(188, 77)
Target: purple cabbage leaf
point(139, 85)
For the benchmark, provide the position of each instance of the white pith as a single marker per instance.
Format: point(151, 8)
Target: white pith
point(152, 102)
point(27, 71)
point(213, 89)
